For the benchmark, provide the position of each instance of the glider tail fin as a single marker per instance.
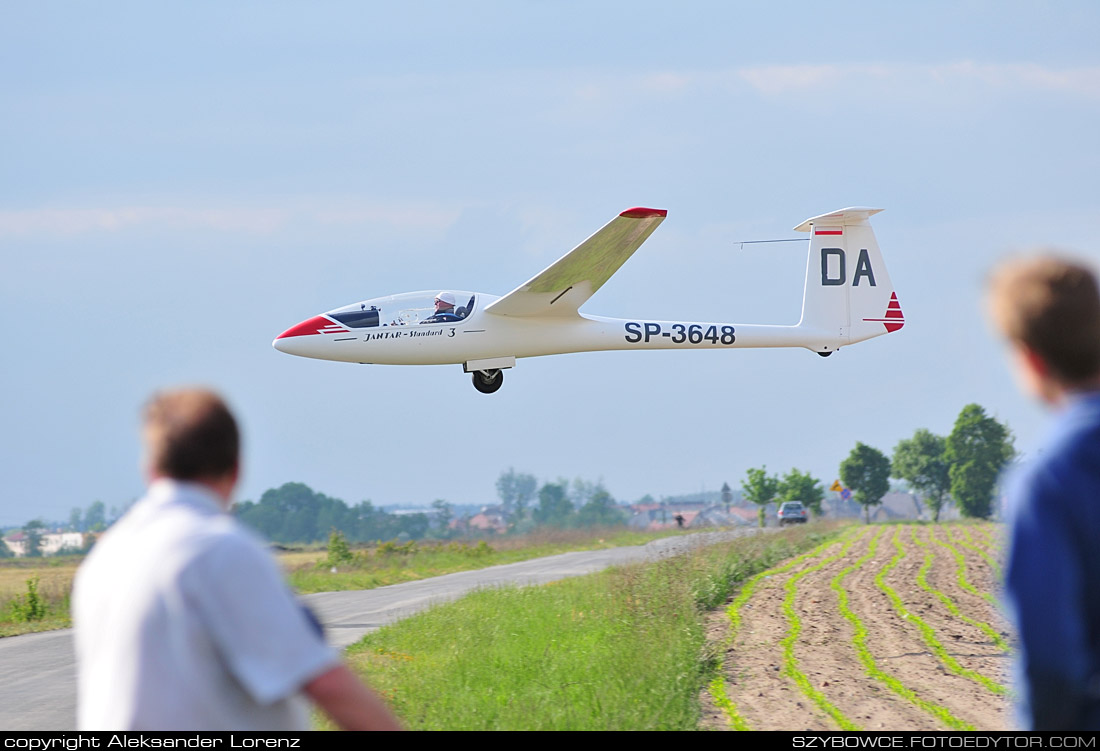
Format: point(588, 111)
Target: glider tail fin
point(848, 295)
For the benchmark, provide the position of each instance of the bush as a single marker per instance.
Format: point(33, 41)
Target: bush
point(29, 607)
point(338, 549)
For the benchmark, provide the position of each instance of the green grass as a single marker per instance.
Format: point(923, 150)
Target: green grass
point(53, 582)
point(618, 650)
point(386, 564)
point(307, 574)
point(859, 639)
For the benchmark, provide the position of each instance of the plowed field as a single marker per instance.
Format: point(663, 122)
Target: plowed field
point(893, 627)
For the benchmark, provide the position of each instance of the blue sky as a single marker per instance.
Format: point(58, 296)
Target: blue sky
point(179, 184)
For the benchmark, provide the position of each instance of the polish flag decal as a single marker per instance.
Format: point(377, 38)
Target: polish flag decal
point(894, 319)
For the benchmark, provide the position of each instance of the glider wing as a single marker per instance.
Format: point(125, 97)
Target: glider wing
point(561, 288)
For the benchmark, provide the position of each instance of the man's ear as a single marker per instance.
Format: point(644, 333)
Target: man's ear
point(1036, 376)
point(1035, 361)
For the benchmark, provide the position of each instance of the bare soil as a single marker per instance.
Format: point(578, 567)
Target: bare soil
point(768, 699)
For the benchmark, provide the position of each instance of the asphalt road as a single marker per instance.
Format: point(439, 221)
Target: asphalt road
point(38, 671)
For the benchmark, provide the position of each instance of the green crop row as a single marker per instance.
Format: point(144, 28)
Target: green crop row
point(928, 634)
point(859, 638)
point(952, 608)
point(960, 568)
point(717, 687)
point(969, 544)
point(790, 665)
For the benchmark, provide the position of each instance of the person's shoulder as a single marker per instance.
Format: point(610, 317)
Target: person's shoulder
point(226, 536)
point(1074, 445)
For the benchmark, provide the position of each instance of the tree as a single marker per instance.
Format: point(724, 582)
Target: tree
point(444, 512)
point(516, 490)
point(338, 549)
point(801, 487)
point(922, 462)
point(867, 472)
point(760, 488)
point(727, 496)
point(600, 510)
point(977, 449)
point(32, 535)
point(95, 518)
point(554, 508)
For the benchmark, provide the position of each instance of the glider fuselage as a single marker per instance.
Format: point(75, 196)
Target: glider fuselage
point(482, 335)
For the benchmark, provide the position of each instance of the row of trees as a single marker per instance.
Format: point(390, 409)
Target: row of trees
point(761, 488)
point(963, 466)
point(297, 513)
point(561, 504)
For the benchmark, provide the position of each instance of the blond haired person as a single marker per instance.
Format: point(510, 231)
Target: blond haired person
point(1048, 309)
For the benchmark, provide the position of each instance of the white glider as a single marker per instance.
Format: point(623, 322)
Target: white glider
point(847, 298)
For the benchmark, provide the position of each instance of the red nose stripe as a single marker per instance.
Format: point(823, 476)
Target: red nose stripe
point(315, 325)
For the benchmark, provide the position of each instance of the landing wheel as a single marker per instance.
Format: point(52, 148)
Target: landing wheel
point(825, 354)
point(488, 381)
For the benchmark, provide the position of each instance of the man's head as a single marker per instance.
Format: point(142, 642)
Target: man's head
point(444, 301)
point(190, 435)
point(1049, 310)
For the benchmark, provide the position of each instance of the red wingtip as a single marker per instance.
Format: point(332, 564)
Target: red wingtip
point(641, 213)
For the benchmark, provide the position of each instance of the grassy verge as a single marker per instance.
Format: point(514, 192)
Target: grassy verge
point(618, 650)
point(370, 567)
point(34, 594)
point(390, 563)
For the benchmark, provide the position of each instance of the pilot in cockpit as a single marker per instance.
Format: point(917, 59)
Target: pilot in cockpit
point(444, 309)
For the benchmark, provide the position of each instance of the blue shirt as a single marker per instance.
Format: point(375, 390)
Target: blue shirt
point(1052, 581)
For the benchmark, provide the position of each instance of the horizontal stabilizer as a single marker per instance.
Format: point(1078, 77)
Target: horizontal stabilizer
point(849, 216)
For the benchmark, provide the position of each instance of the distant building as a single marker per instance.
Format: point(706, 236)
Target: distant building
point(487, 523)
point(51, 543)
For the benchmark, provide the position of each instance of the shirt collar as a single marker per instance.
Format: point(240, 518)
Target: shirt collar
point(169, 490)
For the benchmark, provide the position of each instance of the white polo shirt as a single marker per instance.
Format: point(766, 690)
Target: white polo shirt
point(183, 622)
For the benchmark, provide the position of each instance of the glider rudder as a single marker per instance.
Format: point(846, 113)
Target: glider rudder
point(848, 296)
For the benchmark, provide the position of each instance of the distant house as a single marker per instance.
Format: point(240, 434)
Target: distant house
point(51, 543)
point(744, 515)
point(487, 522)
point(898, 506)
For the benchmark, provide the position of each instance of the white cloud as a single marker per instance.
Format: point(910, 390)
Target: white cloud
point(1030, 77)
